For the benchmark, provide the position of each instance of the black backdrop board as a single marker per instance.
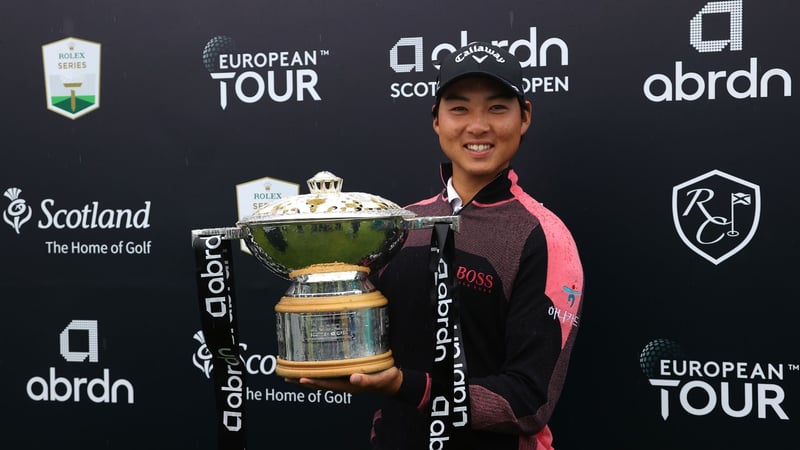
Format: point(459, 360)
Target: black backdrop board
point(620, 122)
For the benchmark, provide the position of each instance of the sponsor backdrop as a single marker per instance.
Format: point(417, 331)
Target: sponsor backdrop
point(664, 134)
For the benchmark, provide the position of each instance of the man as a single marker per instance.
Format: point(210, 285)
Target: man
point(519, 277)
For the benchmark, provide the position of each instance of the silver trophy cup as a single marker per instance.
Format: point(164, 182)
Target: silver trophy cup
point(331, 321)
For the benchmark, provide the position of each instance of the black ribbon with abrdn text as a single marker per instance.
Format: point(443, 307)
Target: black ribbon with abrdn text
point(214, 271)
point(449, 389)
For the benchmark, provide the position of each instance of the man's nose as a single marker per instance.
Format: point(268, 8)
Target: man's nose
point(478, 124)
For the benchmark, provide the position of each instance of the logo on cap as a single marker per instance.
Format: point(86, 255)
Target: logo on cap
point(473, 49)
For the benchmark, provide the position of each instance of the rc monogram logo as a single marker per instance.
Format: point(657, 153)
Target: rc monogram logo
point(72, 76)
point(716, 214)
point(18, 212)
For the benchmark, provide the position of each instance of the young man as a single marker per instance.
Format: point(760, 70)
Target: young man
point(519, 277)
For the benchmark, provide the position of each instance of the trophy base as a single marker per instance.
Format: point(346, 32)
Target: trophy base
point(332, 322)
point(331, 369)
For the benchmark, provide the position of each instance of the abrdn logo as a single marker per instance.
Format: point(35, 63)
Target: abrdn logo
point(750, 82)
point(78, 344)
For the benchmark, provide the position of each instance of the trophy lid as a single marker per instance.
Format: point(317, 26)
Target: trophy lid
point(326, 202)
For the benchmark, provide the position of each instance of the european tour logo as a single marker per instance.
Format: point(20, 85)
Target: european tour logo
point(722, 388)
point(277, 76)
point(716, 214)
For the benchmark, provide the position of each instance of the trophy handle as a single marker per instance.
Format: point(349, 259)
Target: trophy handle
point(418, 223)
point(229, 233)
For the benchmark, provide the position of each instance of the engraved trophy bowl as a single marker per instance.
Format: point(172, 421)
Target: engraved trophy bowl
point(331, 321)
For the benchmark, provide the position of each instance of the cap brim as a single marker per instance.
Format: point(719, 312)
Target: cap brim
point(510, 86)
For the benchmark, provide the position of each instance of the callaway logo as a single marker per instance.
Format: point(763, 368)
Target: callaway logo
point(472, 49)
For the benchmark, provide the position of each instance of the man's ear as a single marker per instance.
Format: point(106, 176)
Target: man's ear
point(435, 119)
point(526, 123)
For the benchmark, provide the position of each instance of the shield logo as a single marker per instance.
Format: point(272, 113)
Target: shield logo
point(716, 214)
point(72, 76)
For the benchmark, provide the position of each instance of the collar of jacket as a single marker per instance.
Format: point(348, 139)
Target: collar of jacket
point(498, 190)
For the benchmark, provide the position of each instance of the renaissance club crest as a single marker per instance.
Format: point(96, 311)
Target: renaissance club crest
point(72, 76)
point(716, 214)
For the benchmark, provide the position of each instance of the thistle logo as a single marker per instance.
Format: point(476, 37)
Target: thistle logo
point(288, 73)
point(734, 389)
point(739, 84)
point(716, 214)
point(72, 76)
point(202, 357)
point(254, 364)
point(17, 212)
point(78, 343)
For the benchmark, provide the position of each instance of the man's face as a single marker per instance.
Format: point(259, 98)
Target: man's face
point(479, 127)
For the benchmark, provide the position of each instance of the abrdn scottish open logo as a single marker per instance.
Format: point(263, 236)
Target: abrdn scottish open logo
point(408, 56)
point(280, 76)
point(716, 214)
point(737, 389)
point(72, 76)
point(744, 81)
point(78, 344)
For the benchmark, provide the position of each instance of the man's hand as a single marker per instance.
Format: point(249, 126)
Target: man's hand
point(386, 382)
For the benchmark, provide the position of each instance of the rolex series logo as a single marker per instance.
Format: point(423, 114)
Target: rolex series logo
point(72, 76)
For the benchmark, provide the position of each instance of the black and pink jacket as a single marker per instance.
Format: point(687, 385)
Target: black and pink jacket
point(520, 286)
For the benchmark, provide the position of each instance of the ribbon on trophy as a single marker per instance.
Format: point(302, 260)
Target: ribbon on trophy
point(214, 272)
point(449, 389)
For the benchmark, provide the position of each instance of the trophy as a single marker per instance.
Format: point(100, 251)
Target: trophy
point(331, 321)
